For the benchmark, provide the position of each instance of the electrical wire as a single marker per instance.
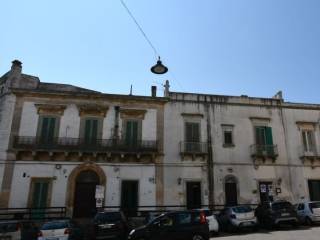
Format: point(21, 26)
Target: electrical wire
point(141, 30)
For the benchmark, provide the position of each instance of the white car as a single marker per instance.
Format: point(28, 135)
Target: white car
point(308, 212)
point(60, 230)
point(235, 217)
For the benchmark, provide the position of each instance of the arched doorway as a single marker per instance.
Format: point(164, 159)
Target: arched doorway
point(84, 196)
point(231, 191)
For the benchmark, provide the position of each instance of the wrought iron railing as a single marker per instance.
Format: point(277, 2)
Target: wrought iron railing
point(270, 151)
point(193, 147)
point(81, 144)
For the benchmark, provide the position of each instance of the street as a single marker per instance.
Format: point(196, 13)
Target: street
point(305, 233)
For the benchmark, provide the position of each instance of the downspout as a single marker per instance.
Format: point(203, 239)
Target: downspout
point(116, 123)
point(209, 158)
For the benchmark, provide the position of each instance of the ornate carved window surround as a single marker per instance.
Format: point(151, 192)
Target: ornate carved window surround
point(92, 110)
point(127, 113)
point(47, 109)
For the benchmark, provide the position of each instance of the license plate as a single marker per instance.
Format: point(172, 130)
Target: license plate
point(105, 226)
point(285, 214)
point(247, 224)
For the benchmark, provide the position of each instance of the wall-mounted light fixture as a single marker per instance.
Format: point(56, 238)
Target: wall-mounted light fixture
point(58, 166)
point(179, 180)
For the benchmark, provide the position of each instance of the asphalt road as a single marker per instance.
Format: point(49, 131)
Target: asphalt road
point(284, 233)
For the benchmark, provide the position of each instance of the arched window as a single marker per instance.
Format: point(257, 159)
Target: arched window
point(231, 190)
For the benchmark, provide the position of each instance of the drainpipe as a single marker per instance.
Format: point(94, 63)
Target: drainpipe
point(210, 158)
point(116, 123)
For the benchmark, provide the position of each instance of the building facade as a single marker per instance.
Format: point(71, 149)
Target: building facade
point(61, 145)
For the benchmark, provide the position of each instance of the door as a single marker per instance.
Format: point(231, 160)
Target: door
point(193, 195)
point(48, 129)
point(91, 131)
point(84, 201)
point(129, 197)
point(314, 190)
point(131, 137)
point(192, 136)
point(266, 191)
point(39, 198)
point(231, 191)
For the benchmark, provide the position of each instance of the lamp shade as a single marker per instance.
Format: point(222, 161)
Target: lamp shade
point(159, 68)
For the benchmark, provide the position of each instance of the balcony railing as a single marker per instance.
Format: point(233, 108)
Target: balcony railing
point(193, 148)
point(309, 152)
point(80, 144)
point(264, 151)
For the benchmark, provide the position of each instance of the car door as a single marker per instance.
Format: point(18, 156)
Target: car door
point(163, 228)
point(184, 226)
point(300, 211)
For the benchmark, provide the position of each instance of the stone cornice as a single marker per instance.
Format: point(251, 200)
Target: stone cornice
point(132, 113)
point(200, 115)
point(92, 110)
point(55, 109)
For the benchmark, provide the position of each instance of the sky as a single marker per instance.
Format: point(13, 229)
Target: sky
point(228, 47)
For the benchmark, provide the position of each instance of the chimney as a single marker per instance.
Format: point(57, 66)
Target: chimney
point(16, 66)
point(153, 91)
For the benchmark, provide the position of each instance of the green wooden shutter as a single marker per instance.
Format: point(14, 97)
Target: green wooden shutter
point(128, 132)
point(39, 198)
point(269, 141)
point(188, 132)
point(48, 129)
point(44, 129)
point(91, 130)
point(196, 132)
point(51, 129)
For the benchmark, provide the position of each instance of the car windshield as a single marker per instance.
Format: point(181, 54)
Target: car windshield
point(314, 205)
point(242, 209)
point(108, 217)
point(55, 225)
point(281, 205)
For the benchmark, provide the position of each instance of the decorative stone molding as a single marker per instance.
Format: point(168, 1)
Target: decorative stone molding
point(199, 115)
point(132, 113)
point(92, 110)
point(306, 125)
point(44, 109)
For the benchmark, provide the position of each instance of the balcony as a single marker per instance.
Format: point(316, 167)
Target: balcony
point(309, 154)
point(193, 149)
point(79, 145)
point(264, 151)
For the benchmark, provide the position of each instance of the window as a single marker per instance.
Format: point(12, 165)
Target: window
point(192, 137)
point(264, 141)
point(192, 133)
point(132, 132)
point(91, 130)
point(301, 206)
point(2, 90)
point(39, 196)
point(183, 218)
point(48, 129)
point(308, 140)
point(227, 135)
point(263, 135)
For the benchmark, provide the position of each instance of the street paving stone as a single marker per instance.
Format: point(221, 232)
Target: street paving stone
point(301, 233)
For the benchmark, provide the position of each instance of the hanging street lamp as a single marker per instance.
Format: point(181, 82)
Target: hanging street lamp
point(159, 68)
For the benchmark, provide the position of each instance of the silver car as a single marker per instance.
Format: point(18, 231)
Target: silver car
point(308, 212)
point(231, 218)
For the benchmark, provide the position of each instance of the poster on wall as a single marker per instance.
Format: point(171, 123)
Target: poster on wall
point(99, 192)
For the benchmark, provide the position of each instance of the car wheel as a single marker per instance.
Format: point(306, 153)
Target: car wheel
point(308, 221)
point(197, 237)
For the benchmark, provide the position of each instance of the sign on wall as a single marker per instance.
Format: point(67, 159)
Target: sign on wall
point(99, 192)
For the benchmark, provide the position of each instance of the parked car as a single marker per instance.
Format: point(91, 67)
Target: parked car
point(65, 229)
point(270, 214)
point(150, 216)
point(18, 230)
point(308, 212)
point(180, 225)
point(237, 217)
point(212, 221)
point(110, 225)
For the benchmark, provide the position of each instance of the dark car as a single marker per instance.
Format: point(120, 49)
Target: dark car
point(183, 225)
point(110, 225)
point(270, 214)
point(18, 229)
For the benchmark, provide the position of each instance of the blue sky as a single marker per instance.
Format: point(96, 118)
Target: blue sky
point(231, 47)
